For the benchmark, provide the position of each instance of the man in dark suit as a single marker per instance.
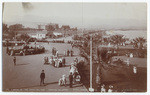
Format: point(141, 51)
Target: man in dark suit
point(70, 79)
point(63, 61)
point(68, 52)
point(53, 51)
point(42, 76)
point(71, 52)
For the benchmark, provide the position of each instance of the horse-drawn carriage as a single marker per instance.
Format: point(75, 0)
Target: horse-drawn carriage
point(25, 50)
point(12, 43)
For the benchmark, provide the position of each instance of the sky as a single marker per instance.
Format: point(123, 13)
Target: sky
point(81, 15)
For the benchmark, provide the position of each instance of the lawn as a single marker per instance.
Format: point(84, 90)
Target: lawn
point(123, 79)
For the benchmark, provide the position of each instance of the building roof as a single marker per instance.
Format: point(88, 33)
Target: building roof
point(57, 33)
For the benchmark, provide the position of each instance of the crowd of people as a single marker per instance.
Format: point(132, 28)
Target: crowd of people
point(69, 53)
point(66, 53)
point(58, 61)
point(74, 76)
point(55, 61)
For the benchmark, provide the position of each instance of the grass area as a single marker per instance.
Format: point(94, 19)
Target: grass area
point(123, 79)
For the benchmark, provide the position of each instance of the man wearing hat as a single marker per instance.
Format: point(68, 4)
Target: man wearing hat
point(42, 76)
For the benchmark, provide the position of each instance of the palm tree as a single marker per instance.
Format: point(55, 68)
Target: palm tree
point(85, 46)
point(117, 40)
point(138, 42)
point(99, 55)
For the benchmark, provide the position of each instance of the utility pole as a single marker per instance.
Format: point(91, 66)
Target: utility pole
point(91, 89)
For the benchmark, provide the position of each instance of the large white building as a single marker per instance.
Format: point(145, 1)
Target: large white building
point(57, 34)
point(38, 35)
point(35, 34)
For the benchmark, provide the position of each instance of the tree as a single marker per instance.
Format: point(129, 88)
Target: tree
point(50, 27)
point(84, 46)
point(100, 55)
point(13, 34)
point(15, 27)
point(138, 42)
point(25, 37)
point(117, 40)
point(65, 27)
point(50, 34)
point(5, 28)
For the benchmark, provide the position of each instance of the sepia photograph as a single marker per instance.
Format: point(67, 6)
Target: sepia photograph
point(74, 47)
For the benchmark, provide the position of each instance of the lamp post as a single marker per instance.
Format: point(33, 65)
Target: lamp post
point(91, 89)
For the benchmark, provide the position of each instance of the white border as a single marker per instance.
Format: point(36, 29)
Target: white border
point(108, 1)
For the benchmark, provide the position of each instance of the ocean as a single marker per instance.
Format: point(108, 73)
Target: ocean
point(131, 34)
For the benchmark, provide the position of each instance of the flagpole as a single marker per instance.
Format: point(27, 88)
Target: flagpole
point(91, 89)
